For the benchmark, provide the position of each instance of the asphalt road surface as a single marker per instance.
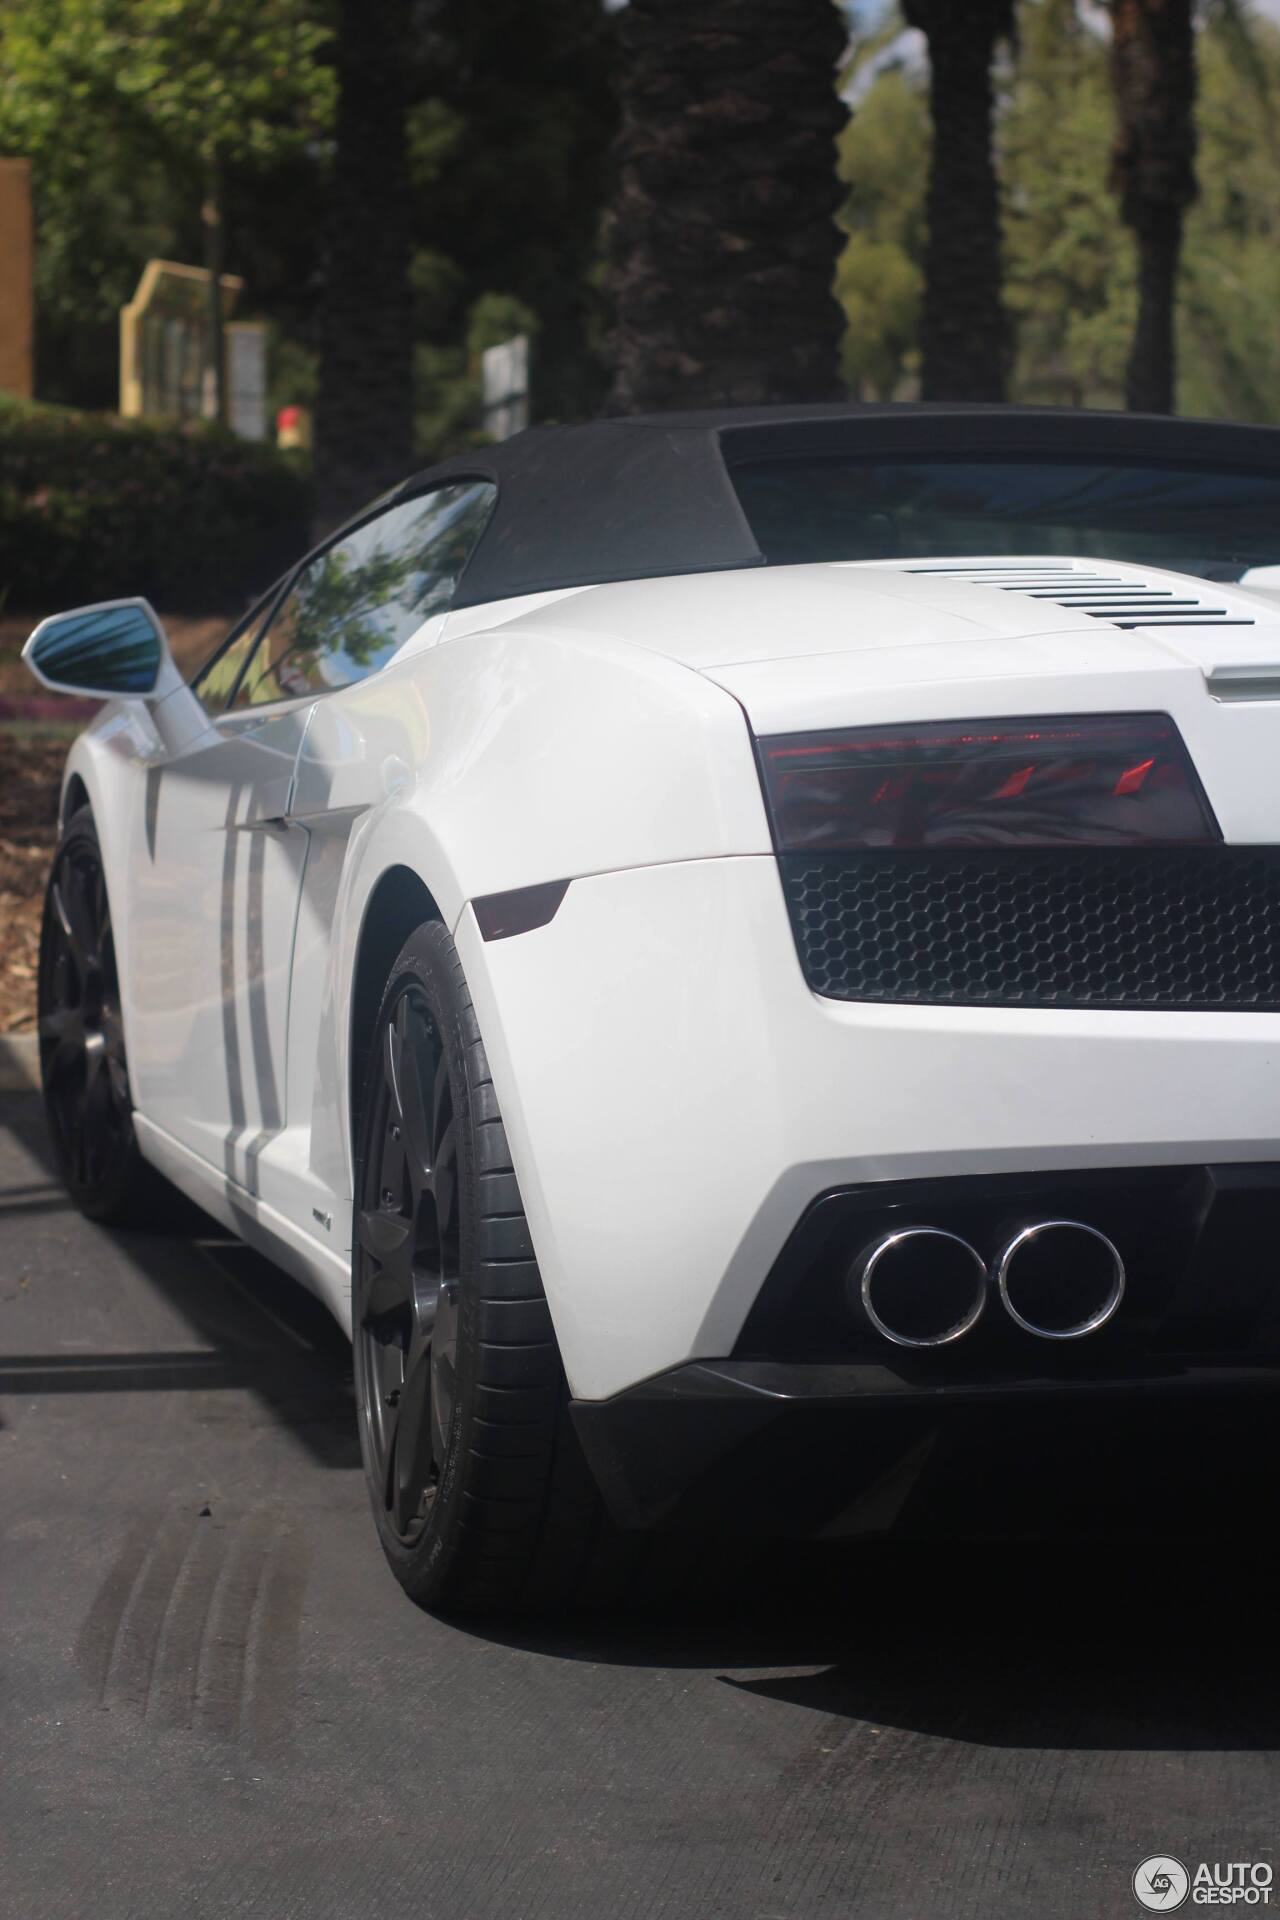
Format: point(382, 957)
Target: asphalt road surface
point(216, 1701)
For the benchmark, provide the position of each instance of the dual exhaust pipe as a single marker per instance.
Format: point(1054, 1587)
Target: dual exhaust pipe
point(923, 1287)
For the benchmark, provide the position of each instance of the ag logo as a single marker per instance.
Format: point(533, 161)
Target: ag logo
point(1161, 1883)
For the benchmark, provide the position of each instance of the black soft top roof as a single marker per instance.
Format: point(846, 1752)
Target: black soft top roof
point(652, 494)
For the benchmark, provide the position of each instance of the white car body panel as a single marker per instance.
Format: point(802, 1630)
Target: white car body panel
point(674, 1092)
point(657, 1216)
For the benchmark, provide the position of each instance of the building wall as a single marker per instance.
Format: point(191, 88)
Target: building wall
point(15, 277)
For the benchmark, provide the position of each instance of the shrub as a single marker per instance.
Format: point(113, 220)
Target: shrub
point(93, 507)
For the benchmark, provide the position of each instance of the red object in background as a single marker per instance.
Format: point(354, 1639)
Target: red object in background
point(293, 427)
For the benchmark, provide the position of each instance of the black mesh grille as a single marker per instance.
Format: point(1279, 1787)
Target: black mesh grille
point(1175, 927)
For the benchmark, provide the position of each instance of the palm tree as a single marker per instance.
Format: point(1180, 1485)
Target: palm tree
point(364, 406)
point(1153, 172)
point(964, 332)
point(721, 241)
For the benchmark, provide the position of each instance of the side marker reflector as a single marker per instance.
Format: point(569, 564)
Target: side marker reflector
point(520, 910)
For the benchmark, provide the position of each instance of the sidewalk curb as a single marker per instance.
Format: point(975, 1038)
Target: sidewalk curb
point(19, 1062)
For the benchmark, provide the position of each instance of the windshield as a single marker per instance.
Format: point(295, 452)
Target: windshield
point(1201, 520)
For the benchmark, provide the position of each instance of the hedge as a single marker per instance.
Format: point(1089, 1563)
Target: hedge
point(93, 507)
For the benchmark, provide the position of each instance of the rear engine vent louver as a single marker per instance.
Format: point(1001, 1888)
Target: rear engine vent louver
point(1123, 599)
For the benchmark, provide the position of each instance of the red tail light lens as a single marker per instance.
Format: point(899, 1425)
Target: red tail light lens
point(1111, 780)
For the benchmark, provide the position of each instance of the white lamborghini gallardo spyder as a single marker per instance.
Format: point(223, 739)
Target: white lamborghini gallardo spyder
point(709, 941)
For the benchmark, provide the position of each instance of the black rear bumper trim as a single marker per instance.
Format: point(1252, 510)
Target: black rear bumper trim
point(693, 1441)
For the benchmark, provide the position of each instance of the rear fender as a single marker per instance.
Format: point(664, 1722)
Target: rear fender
point(503, 760)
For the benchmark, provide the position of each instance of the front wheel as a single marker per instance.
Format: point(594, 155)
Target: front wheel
point(83, 1067)
point(480, 1493)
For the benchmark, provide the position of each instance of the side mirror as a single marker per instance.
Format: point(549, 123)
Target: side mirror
point(115, 648)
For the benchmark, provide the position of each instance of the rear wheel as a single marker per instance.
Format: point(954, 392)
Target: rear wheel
point(83, 1066)
point(480, 1493)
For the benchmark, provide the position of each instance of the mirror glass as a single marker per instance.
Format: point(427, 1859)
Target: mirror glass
point(108, 649)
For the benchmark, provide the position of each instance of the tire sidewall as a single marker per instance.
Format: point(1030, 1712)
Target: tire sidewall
point(102, 1199)
point(428, 960)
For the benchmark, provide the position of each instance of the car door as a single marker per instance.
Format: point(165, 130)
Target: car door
point(213, 888)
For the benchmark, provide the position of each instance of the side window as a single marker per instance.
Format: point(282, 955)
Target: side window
point(355, 604)
point(216, 679)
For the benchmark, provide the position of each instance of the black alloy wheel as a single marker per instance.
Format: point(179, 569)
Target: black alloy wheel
point(83, 1066)
point(407, 1232)
point(480, 1493)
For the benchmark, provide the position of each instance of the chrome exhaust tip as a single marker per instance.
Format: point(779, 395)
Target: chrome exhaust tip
point(920, 1287)
point(1060, 1279)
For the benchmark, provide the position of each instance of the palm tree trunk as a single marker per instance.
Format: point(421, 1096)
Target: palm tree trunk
point(721, 242)
point(1153, 172)
point(964, 331)
point(364, 406)
point(1152, 366)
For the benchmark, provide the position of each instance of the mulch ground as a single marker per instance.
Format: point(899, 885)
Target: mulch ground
point(30, 773)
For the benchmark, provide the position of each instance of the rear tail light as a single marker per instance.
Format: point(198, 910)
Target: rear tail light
point(1109, 780)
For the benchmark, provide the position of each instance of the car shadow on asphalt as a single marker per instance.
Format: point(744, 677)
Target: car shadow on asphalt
point(1012, 1645)
point(252, 1327)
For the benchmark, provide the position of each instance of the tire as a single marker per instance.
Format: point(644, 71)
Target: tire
point(482, 1499)
point(84, 1070)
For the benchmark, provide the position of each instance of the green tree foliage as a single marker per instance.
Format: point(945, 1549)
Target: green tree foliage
point(1069, 263)
point(1229, 298)
point(121, 104)
point(104, 198)
point(880, 279)
point(130, 110)
point(240, 78)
